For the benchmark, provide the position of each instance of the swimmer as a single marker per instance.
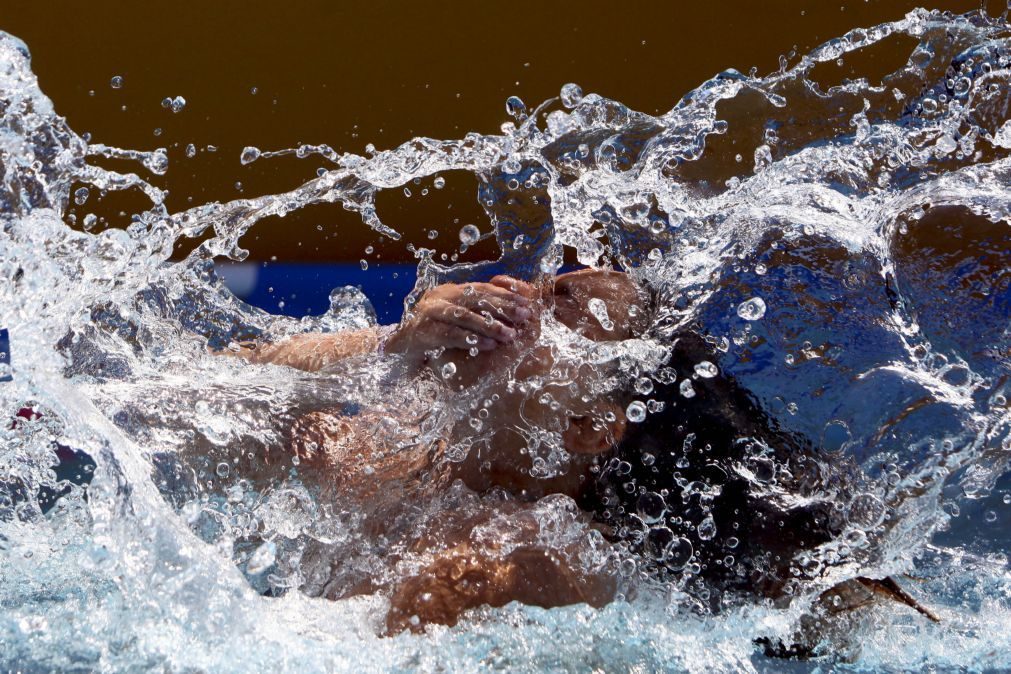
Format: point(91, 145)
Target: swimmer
point(706, 457)
point(483, 329)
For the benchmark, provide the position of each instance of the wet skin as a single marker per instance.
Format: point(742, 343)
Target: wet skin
point(589, 424)
point(491, 333)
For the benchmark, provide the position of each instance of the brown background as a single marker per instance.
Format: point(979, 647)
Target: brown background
point(353, 72)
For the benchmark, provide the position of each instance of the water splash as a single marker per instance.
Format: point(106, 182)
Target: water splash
point(851, 275)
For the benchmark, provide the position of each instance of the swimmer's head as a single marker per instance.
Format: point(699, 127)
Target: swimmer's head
point(600, 304)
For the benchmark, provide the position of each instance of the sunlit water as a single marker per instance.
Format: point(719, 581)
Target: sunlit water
point(845, 250)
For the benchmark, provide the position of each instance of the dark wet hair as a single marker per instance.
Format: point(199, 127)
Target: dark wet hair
point(701, 490)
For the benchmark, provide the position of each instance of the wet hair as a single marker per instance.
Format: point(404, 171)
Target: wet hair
point(701, 490)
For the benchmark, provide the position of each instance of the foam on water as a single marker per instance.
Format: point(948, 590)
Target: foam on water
point(844, 251)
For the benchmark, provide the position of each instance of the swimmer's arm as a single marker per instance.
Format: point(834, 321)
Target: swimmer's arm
point(313, 351)
point(449, 316)
point(466, 576)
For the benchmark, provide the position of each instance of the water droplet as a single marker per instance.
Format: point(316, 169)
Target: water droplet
point(116, 82)
point(865, 511)
point(706, 370)
point(599, 310)
point(262, 559)
point(1003, 136)
point(945, 145)
point(707, 528)
point(751, 310)
point(515, 107)
point(686, 388)
point(644, 385)
point(249, 155)
point(636, 411)
point(651, 507)
point(835, 436)
point(571, 95)
point(469, 235)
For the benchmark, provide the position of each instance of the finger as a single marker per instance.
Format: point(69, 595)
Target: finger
point(496, 290)
point(506, 306)
point(484, 326)
point(515, 285)
point(455, 337)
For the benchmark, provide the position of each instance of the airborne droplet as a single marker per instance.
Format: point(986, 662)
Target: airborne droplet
point(636, 411)
point(469, 235)
point(571, 95)
point(751, 310)
point(249, 155)
point(706, 370)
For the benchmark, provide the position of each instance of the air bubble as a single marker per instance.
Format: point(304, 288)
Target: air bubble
point(448, 370)
point(81, 195)
point(686, 388)
point(116, 82)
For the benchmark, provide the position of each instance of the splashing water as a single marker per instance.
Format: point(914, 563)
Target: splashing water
point(853, 276)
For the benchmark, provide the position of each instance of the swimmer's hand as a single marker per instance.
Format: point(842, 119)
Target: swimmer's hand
point(465, 316)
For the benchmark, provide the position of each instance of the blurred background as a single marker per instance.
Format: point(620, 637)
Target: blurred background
point(348, 73)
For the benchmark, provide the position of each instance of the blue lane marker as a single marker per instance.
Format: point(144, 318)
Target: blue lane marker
point(5, 356)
